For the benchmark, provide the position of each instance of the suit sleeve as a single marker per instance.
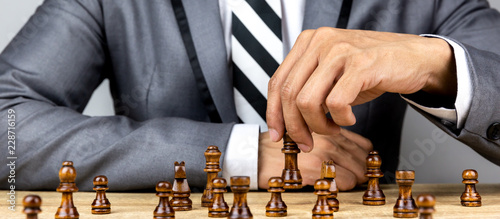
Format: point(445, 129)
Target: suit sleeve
point(475, 27)
point(47, 75)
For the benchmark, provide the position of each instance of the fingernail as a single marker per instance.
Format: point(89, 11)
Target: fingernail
point(274, 135)
point(304, 147)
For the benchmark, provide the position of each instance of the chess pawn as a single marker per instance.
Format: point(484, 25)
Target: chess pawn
point(322, 209)
point(101, 204)
point(32, 205)
point(276, 207)
point(291, 173)
point(328, 172)
point(212, 167)
point(181, 191)
point(470, 197)
point(405, 206)
point(163, 210)
point(373, 194)
point(425, 205)
point(219, 207)
point(240, 186)
point(67, 186)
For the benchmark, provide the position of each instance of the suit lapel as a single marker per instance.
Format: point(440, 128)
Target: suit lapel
point(206, 29)
point(321, 13)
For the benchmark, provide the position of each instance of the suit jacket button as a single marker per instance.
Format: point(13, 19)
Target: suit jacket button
point(494, 131)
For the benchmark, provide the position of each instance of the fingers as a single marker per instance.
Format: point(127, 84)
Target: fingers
point(342, 96)
point(274, 113)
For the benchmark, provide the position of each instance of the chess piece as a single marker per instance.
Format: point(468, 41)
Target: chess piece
point(276, 207)
point(291, 173)
point(163, 210)
point(181, 192)
point(425, 203)
point(67, 186)
point(219, 207)
point(405, 206)
point(328, 173)
point(373, 194)
point(212, 156)
point(101, 204)
point(470, 197)
point(32, 205)
point(240, 186)
point(322, 209)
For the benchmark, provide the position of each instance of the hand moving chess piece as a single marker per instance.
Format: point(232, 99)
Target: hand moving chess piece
point(470, 197)
point(67, 186)
point(101, 204)
point(163, 210)
point(373, 194)
point(181, 192)
point(276, 207)
point(212, 156)
point(240, 186)
point(291, 173)
point(322, 209)
point(405, 206)
point(425, 203)
point(219, 207)
point(328, 173)
point(32, 205)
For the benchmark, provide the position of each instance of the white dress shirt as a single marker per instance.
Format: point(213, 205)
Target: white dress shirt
point(242, 150)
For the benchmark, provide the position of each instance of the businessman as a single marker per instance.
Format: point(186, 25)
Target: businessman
point(174, 73)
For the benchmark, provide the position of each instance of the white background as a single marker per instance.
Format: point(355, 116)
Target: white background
point(435, 157)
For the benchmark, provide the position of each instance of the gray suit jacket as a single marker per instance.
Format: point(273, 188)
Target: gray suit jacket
point(50, 69)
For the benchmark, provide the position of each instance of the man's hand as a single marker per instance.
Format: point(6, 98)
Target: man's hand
point(348, 150)
point(331, 70)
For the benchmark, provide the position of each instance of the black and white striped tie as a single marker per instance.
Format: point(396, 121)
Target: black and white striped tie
point(257, 51)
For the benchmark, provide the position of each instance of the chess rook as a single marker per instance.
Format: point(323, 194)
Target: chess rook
point(212, 157)
point(322, 209)
point(291, 173)
point(373, 195)
point(425, 203)
point(180, 189)
point(240, 186)
point(328, 172)
point(276, 207)
point(405, 206)
point(67, 176)
point(101, 204)
point(163, 210)
point(470, 197)
point(31, 204)
point(219, 207)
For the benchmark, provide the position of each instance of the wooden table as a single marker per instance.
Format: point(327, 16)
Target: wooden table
point(141, 205)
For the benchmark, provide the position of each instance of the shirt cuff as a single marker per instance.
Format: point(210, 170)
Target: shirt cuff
point(242, 152)
point(464, 88)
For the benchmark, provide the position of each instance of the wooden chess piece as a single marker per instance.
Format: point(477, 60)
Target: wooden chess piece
point(212, 156)
point(101, 204)
point(405, 206)
point(322, 209)
point(425, 203)
point(67, 186)
point(240, 186)
point(32, 205)
point(219, 207)
point(328, 173)
point(373, 194)
point(276, 207)
point(291, 173)
point(163, 210)
point(470, 197)
point(180, 199)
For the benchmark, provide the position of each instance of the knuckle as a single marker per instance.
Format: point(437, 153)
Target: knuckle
point(304, 102)
point(287, 92)
point(333, 103)
point(273, 84)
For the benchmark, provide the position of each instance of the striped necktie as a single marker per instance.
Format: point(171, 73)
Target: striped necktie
point(257, 51)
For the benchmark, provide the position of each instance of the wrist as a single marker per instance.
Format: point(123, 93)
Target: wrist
point(442, 78)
